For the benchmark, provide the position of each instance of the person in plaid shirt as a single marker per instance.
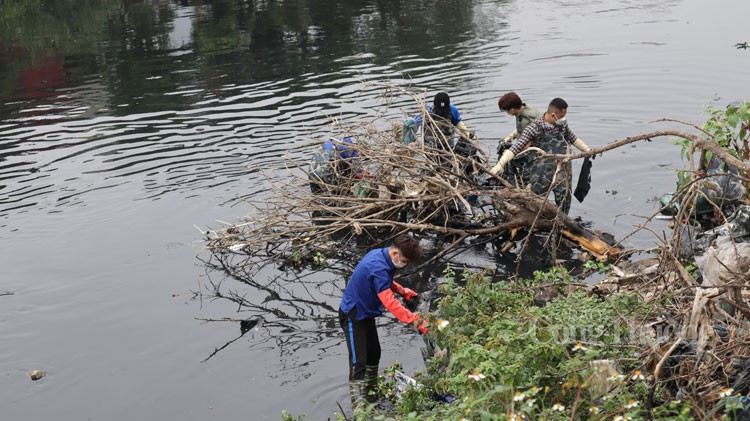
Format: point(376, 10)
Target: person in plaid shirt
point(550, 134)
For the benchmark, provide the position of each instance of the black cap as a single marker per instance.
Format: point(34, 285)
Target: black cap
point(441, 105)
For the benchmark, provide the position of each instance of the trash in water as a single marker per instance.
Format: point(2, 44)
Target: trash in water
point(35, 374)
point(246, 325)
point(403, 383)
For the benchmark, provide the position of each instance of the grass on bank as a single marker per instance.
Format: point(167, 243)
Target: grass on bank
point(506, 357)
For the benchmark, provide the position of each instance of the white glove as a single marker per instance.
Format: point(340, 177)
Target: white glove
point(511, 136)
point(500, 167)
point(580, 145)
point(464, 130)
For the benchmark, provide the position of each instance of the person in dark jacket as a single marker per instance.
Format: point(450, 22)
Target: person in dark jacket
point(370, 289)
point(549, 133)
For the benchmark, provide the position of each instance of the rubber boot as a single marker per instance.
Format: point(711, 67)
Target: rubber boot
point(371, 383)
point(357, 392)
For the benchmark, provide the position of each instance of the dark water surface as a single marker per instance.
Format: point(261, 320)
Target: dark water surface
point(125, 124)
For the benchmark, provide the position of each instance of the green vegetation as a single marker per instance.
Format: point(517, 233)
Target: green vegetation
point(730, 128)
point(577, 357)
point(60, 25)
point(34, 31)
point(595, 266)
point(319, 259)
point(510, 358)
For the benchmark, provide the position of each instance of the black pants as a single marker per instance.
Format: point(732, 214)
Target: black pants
point(361, 341)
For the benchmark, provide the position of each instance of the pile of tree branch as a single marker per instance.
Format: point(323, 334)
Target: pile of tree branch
point(437, 185)
point(432, 186)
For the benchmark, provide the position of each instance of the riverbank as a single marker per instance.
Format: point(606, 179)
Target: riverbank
point(614, 350)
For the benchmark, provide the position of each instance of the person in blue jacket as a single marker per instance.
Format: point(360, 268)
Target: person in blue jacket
point(446, 116)
point(370, 289)
point(337, 160)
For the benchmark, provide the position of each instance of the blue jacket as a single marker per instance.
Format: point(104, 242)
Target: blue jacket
point(343, 146)
point(373, 275)
point(455, 115)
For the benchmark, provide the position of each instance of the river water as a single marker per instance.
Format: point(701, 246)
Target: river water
point(128, 126)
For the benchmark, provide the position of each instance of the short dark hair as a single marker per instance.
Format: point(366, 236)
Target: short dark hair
point(511, 100)
point(409, 246)
point(558, 104)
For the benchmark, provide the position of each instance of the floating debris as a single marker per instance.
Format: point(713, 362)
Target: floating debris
point(35, 374)
point(236, 247)
point(246, 325)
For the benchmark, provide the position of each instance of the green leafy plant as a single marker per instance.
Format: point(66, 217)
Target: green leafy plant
point(552, 275)
point(319, 259)
point(286, 416)
point(596, 266)
point(508, 358)
point(733, 405)
point(297, 257)
point(730, 128)
point(692, 268)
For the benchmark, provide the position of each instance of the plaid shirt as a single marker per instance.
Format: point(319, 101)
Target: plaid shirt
point(535, 131)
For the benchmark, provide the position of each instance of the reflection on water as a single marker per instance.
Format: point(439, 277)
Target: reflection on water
point(295, 306)
point(150, 105)
point(180, 98)
point(285, 313)
point(292, 311)
point(141, 51)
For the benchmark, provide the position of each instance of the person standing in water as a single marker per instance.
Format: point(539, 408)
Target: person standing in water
point(370, 289)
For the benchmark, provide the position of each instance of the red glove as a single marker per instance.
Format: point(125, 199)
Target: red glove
point(423, 327)
point(396, 308)
point(397, 288)
point(407, 293)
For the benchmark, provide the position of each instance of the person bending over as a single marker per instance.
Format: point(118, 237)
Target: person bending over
point(370, 289)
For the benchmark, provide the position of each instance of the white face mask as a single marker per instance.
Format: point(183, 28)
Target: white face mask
point(560, 121)
point(400, 264)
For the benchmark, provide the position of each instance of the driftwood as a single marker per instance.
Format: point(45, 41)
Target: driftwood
point(428, 187)
point(424, 187)
point(699, 345)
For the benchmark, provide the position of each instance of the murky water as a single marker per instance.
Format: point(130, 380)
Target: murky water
point(127, 124)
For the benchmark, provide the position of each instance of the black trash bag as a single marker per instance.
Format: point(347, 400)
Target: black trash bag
point(584, 180)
